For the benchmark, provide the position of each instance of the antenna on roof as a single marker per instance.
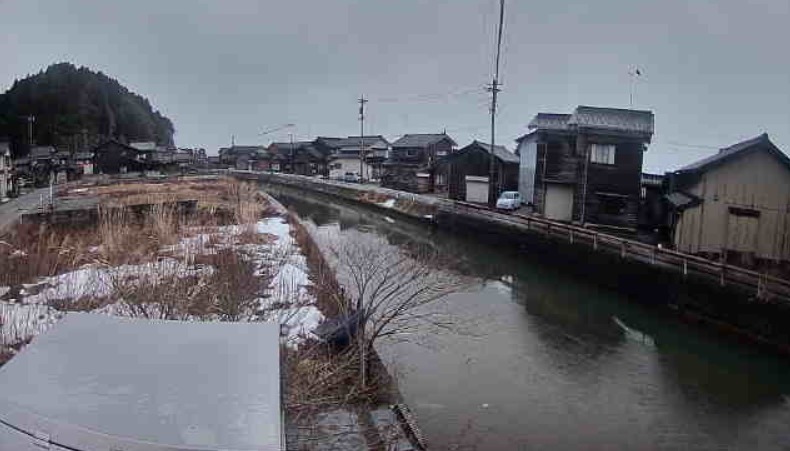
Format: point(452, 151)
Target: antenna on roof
point(634, 73)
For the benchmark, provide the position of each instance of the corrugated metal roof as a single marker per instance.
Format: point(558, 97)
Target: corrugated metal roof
point(550, 121)
point(635, 121)
point(421, 140)
point(611, 119)
point(500, 152)
point(101, 382)
point(353, 141)
point(726, 153)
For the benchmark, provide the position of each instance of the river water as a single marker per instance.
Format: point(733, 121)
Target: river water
point(555, 362)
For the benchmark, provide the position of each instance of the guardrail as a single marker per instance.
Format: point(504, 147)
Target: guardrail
point(764, 286)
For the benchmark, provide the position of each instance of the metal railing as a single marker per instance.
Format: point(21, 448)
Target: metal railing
point(765, 287)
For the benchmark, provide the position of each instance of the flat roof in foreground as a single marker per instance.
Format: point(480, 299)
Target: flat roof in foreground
point(97, 382)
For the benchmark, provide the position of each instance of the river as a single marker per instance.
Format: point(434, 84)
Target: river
point(560, 363)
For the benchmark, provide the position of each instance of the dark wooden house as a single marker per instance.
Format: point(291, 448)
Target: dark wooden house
point(474, 161)
point(412, 163)
point(114, 157)
point(585, 167)
point(239, 157)
point(299, 157)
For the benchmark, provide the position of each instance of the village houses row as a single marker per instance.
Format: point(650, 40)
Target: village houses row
point(584, 167)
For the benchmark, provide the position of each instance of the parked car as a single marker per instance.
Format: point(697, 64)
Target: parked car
point(509, 200)
point(352, 177)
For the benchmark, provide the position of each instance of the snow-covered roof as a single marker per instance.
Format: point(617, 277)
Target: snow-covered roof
point(101, 382)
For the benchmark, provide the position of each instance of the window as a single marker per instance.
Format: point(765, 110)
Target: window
point(612, 204)
point(602, 153)
point(411, 152)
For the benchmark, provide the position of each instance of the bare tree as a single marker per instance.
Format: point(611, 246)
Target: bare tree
point(393, 292)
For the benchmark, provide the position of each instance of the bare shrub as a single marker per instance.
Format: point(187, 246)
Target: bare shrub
point(167, 290)
point(234, 286)
point(396, 291)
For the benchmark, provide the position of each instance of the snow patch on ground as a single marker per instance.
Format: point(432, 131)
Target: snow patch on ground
point(20, 322)
point(99, 281)
point(287, 299)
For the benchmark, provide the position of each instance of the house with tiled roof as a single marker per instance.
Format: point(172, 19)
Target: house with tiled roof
point(466, 167)
point(345, 155)
point(298, 157)
point(585, 167)
point(413, 162)
point(734, 205)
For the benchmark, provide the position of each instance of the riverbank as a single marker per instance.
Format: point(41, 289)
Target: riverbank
point(552, 360)
point(687, 292)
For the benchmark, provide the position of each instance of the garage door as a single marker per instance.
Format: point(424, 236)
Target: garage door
point(559, 202)
point(476, 189)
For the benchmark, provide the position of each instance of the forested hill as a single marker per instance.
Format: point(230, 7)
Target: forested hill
point(75, 107)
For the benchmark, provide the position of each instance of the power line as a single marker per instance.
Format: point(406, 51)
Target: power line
point(362, 102)
point(430, 97)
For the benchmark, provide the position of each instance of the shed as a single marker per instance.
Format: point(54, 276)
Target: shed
point(97, 382)
point(473, 161)
point(735, 204)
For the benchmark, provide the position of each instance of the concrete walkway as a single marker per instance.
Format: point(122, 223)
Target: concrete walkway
point(13, 209)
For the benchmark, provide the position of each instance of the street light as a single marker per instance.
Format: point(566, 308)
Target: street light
point(276, 129)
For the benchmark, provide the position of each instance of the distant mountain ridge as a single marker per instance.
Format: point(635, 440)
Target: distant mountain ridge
point(76, 107)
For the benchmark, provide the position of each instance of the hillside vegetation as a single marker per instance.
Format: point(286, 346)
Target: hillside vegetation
point(74, 107)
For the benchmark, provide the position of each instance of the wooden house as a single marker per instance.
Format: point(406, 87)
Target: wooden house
point(299, 157)
point(465, 165)
point(239, 157)
point(586, 166)
point(734, 205)
point(344, 155)
point(114, 157)
point(412, 163)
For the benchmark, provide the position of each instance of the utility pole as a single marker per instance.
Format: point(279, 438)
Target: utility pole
point(494, 89)
point(293, 167)
point(362, 102)
point(30, 120)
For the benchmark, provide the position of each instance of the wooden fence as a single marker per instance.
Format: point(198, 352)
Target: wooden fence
point(765, 287)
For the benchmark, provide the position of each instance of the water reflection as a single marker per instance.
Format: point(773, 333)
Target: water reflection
point(565, 364)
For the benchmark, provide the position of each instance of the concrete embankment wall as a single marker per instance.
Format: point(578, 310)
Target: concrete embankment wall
point(693, 296)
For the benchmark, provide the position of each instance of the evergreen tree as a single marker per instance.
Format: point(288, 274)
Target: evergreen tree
point(73, 105)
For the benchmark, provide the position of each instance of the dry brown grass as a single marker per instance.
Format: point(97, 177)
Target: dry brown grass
point(31, 251)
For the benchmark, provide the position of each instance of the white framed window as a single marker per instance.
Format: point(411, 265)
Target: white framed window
point(602, 153)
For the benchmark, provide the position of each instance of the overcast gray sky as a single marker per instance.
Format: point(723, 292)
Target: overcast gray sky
point(714, 72)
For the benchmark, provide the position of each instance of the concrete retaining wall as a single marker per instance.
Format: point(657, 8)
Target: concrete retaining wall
point(692, 297)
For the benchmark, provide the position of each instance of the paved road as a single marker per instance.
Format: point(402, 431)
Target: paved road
point(13, 209)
